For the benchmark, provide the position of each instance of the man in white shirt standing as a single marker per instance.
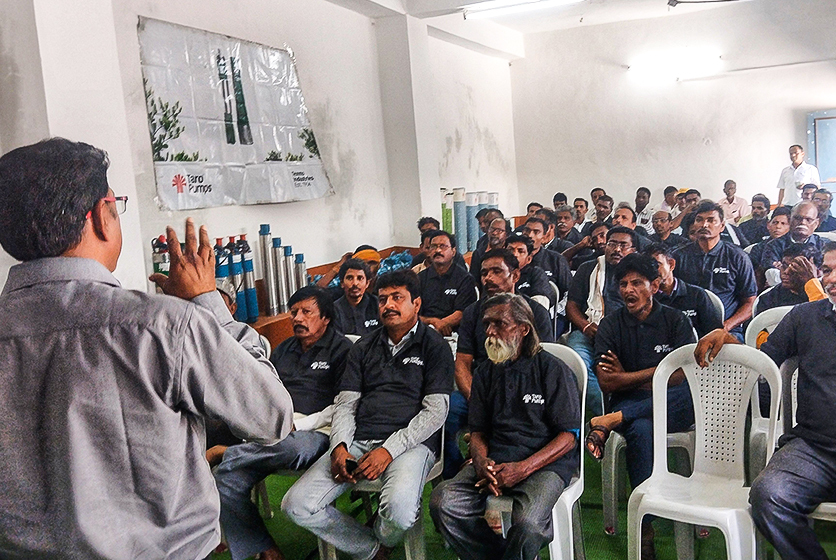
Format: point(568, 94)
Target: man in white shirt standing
point(795, 176)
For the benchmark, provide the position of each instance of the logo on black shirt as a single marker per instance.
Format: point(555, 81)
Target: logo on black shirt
point(663, 348)
point(413, 360)
point(532, 398)
point(721, 270)
point(690, 312)
point(320, 365)
point(524, 285)
point(451, 292)
point(371, 323)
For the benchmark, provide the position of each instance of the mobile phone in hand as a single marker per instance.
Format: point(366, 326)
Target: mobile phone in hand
point(350, 465)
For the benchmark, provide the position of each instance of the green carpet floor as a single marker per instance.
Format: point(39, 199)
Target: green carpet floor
point(298, 544)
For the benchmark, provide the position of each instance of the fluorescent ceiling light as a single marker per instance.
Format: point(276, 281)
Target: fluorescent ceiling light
point(498, 8)
point(676, 64)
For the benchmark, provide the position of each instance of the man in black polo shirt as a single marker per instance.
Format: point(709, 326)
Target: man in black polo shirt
point(533, 281)
point(802, 473)
point(629, 345)
point(355, 312)
point(590, 247)
point(551, 241)
point(664, 230)
point(625, 216)
point(310, 364)
point(718, 266)
point(553, 264)
point(498, 232)
point(524, 417)
point(389, 411)
point(803, 222)
point(446, 289)
point(603, 213)
point(799, 279)
point(500, 273)
point(673, 292)
point(565, 227)
point(754, 227)
point(488, 215)
point(593, 294)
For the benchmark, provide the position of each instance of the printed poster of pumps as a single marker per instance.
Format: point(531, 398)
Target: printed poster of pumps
point(227, 120)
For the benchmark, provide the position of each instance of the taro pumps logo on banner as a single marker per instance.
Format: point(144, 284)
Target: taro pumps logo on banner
point(194, 183)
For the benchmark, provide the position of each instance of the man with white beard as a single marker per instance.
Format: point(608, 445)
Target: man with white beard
point(802, 473)
point(524, 414)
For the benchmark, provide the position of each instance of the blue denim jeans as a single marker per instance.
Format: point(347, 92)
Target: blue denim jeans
point(797, 479)
point(456, 420)
point(242, 467)
point(309, 502)
point(457, 508)
point(581, 344)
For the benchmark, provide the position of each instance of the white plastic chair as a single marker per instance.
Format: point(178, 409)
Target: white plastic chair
point(748, 248)
point(829, 235)
point(714, 494)
point(353, 337)
point(566, 515)
point(789, 377)
point(767, 321)
point(758, 300)
point(715, 300)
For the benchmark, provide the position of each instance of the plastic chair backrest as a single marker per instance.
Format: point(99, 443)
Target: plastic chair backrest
point(715, 300)
point(721, 397)
point(757, 304)
point(265, 344)
point(767, 321)
point(789, 399)
point(748, 248)
point(353, 337)
point(829, 235)
point(578, 367)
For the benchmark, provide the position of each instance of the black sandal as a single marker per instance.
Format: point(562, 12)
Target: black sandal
point(596, 440)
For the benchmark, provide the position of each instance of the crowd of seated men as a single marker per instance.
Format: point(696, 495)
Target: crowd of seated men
point(630, 284)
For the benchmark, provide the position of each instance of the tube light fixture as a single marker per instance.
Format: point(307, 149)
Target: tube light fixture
point(497, 8)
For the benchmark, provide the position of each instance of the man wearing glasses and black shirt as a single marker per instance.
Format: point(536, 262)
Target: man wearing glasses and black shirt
point(446, 289)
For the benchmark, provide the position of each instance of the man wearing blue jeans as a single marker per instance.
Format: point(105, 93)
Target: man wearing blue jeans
point(310, 364)
point(391, 405)
point(594, 294)
point(629, 345)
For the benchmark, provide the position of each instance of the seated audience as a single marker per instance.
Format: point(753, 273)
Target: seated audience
point(673, 292)
point(365, 253)
point(425, 224)
point(593, 294)
point(533, 281)
point(500, 273)
point(777, 226)
point(309, 364)
point(603, 208)
point(664, 230)
point(446, 289)
point(551, 241)
point(807, 192)
point(799, 279)
point(581, 209)
point(486, 219)
point(590, 247)
point(800, 475)
point(530, 210)
point(803, 223)
point(822, 199)
point(356, 312)
point(629, 345)
point(624, 216)
point(594, 195)
point(644, 212)
point(669, 203)
point(388, 414)
point(690, 200)
point(717, 265)
point(754, 225)
point(734, 207)
point(521, 447)
point(680, 204)
point(553, 264)
point(498, 231)
point(559, 199)
point(565, 226)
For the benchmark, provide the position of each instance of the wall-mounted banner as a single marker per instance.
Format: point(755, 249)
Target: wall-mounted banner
point(227, 120)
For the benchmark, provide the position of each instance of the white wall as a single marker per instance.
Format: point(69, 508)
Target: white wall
point(580, 121)
point(474, 125)
point(337, 63)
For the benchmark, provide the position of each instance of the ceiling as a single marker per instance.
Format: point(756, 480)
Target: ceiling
point(587, 12)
